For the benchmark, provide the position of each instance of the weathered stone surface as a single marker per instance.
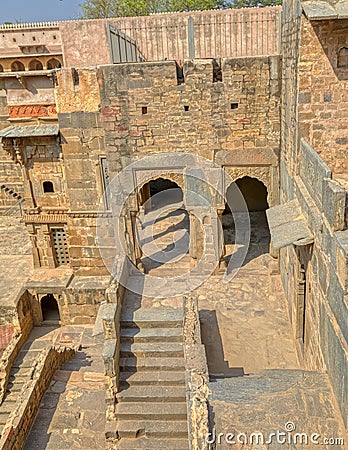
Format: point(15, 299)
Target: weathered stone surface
point(325, 9)
point(313, 171)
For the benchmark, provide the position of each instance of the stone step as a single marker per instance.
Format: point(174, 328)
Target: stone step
point(152, 318)
point(163, 378)
point(152, 394)
point(27, 361)
point(164, 272)
point(154, 349)
point(7, 407)
point(15, 386)
point(178, 261)
point(151, 411)
point(151, 335)
point(153, 444)
point(132, 364)
point(152, 429)
point(20, 373)
point(3, 418)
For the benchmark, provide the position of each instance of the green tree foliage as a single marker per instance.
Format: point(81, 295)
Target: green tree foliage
point(97, 9)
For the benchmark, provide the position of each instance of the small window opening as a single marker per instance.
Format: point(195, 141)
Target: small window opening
point(75, 75)
point(234, 105)
point(54, 36)
point(217, 72)
point(34, 38)
point(48, 186)
point(14, 40)
point(186, 107)
point(144, 110)
point(343, 58)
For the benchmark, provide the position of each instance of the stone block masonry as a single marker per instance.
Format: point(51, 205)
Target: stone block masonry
point(127, 111)
point(323, 87)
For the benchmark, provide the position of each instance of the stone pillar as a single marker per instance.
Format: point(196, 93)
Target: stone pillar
point(136, 247)
point(193, 251)
point(146, 197)
point(48, 247)
point(33, 239)
point(221, 242)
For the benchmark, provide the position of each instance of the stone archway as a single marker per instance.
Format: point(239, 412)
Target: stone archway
point(162, 224)
point(50, 309)
point(150, 193)
point(255, 194)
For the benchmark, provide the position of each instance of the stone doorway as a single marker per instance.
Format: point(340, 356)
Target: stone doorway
point(255, 195)
point(160, 192)
point(50, 310)
point(165, 227)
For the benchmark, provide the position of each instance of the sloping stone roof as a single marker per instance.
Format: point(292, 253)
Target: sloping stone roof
point(16, 131)
point(288, 226)
point(325, 9)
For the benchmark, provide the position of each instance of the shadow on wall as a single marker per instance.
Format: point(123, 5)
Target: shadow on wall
point(332, 41)
point(211, 338)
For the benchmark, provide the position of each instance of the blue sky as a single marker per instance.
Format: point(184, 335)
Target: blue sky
point(39, 10)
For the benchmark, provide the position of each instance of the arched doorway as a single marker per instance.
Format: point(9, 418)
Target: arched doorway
point(255, 196)
point(165, 224)
point(160, 192)
point(49, 308)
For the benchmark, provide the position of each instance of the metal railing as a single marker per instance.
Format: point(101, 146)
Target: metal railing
point(228, 34)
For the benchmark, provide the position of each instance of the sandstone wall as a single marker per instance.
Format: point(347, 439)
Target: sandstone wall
point(15, 36)
point(323, 91)
point(289, 131)
point(228, 114)
point(217, 34)
point(11, 181)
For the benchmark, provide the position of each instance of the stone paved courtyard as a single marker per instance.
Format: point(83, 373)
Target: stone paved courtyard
point(277, 400)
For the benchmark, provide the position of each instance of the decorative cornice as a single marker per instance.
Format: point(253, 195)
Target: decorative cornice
point(89, 214)
point(45, 218)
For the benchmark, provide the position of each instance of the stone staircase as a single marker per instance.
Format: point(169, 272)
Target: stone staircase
point(152, 410)
point(165, 232)
point(22, 370)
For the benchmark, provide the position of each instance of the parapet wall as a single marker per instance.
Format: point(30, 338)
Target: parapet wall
point(160, 37)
